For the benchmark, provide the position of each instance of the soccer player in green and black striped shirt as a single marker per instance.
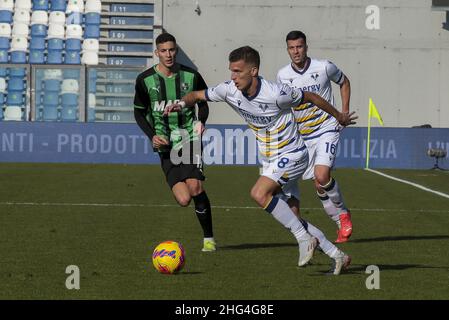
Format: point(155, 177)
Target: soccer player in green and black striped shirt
point(163, 84)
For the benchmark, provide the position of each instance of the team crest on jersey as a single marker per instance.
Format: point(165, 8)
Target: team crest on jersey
point(184, 86)
point(294, 94)
point(263, 107)
point(315, 76)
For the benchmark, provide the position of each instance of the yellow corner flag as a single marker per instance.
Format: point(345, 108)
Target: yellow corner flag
point(372, 113)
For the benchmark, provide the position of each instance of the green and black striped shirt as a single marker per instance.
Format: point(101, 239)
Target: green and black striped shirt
point(154, 91)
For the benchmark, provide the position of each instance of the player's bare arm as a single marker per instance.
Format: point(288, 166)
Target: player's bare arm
point(345, 93)
point(343, 118)
point(188, 100)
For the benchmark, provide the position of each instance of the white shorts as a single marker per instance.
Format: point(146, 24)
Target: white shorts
point(286, 170)
point(322, 151)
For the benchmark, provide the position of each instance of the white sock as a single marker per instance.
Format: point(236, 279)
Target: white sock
point(328, 247)
point(334, 194)
point(330, 208)
point(209, 239)
point(282, 213)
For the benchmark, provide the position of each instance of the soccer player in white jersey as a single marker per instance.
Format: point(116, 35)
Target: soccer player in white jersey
point(320, 130)
point(267, 108)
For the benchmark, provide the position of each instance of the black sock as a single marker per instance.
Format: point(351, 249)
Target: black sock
point(203, 212)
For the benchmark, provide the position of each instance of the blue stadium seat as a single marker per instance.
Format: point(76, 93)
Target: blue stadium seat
point(37, 43)
point(69, 100)
point(2, 99)
point(5, 16)
point(55, 44)
point(17, 72)
point(3, 72)
point(92, 18)
point(50, 99)
point(71, 73)
point(18, 57)
point(4, 43)
point(69, 114)
point(58, 5)
point(40, 5)
point(73, 44)
point(52, 85)
point(37, 56)
point(54, 56)
point(16, 84)
point(72, 57)
point(14, 98)
point(91, 114)
point(1, 111)
point(50, 113)
point(38, 30)
point(4, 56)
point(91, 31)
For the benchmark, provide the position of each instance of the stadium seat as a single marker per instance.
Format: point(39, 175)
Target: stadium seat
point(57, 17)
point(40, 5)
point(37, 43)
point(22, 16)
point(6, 10)
point(74, 31)
point(52, 74)
point(1, 108)
point(36, 56)
point(4, 56)
point(14, 98)
point(71, 73)
point(38, 30)
point(90, 114)
point(2, 85)
point(70, 86)
point(91, 45)
point(5, 16)
point(23, 4)
point(54, 56)
point(92, 6)
point(92, 31)
point(12, 113)
point(50, 113)
point(16, 84)
point(92, 18)
point(55, 44)
point(73, 44)
point(50, 99)
point(17, 72)
point(20, 30)
point(74, 18)
point(69, 114)
point(69, 100)
point(5, 30)
point(72, 57)
point(4, 43)
point(52, 85)
point(56, 31)
point(58, 5)
point(3, 72)
point(75, 6)
point(89, 58)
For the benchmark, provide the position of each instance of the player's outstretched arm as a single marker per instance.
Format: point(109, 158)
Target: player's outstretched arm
point(344, 119)
point(345, 92)
point(188, 100)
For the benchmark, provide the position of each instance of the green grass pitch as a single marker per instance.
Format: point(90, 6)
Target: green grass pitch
point(107, 219)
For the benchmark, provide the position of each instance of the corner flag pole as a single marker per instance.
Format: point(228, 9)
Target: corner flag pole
point(369, 135)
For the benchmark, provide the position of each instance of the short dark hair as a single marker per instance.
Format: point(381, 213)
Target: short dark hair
point(295, 35)
point(247, 54)
point(165, 37)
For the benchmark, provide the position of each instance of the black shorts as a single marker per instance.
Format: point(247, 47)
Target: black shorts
point(175, 173)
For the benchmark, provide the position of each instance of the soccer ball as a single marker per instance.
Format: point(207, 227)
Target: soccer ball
point(168, 257)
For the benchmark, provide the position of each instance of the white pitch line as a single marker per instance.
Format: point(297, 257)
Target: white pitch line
point(444, 195)
point(142, 205)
